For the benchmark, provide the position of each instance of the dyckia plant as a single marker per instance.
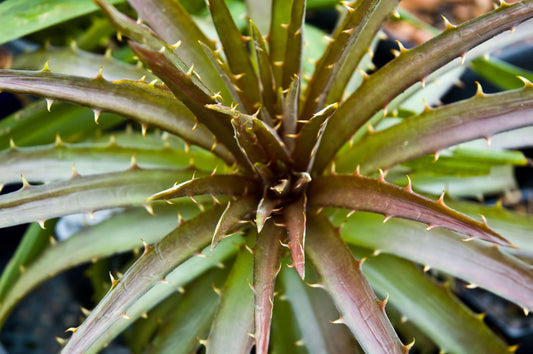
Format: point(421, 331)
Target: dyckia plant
point(283, 172)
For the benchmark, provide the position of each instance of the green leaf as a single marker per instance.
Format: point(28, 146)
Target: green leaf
point(309, 138)
point(475, 262)
point(84, 194)
point(376, 195)
point(381, 87)
point(151, 267)
point(190, 319)
point(234, 214)
point(22, 17)
point(33, 242)
point(349, 44)
point(74, 61)
point(292, 63)
point(436, 129)
point(174, 281)
point(230, 332)
point(237, 55)
point(290, 111)
point(266, 76)
point(311, 311)
point(430, 306)
point(516, 226)
point(54, 162)
point(499, 180)
point(286, 335)
point(501, 73)
point(466, 162)
point(94, 243)
point(341, 275)
point(277, 39)
point(34, 125)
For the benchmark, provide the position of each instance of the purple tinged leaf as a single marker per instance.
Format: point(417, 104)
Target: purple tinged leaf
point(247, 141)
point(376, 195)
point(290, 112)
point(256, 135)
point(151, 267)
point(182, 85)
point(139, 101)
point(361, 310)
point(309, 137)
point(349, 44)
point(436, 129)
point(224, 72)
point(231, 218)
point(408, 68)
point(294, 216)
point(474, 262)
point(264, 210)
point(267, 254)
point(236, 54)
point(171, 21)
point(216, 185)
point(142, 34)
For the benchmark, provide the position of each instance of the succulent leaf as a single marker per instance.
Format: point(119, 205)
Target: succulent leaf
point(292, 64)
point(74, 61)
point(348, 46)
point(295, 217)
point(309, 138)
point(194, 313)
point(151, 267)
point(54, 162)
point(95, 244)
point(193, 97)
point(267, 256)
point(491, 268)
point(236, 53)
point(84, 194)
point(140, 101)
point(34, 125)
point(313, 312)
point(482, 116)
point(215, 185)
point(402, 72)
point(20, 18)
point(232, 330)
point(361, 310)
point(161, 15)
point(189, 271)
point(361, 193)
point(421, 301)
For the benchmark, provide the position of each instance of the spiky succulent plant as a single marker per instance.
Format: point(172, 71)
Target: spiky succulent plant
point(245, 138)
